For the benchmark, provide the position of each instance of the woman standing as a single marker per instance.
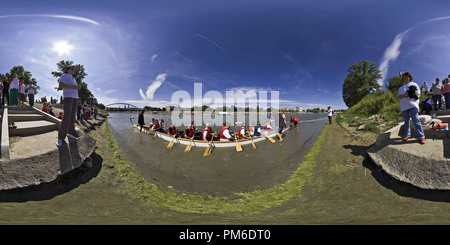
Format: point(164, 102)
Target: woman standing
point(446, 92)
point(330, 114)
point(70, 94)
point(409, 106)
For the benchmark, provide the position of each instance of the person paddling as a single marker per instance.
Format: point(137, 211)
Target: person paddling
point(225, 134)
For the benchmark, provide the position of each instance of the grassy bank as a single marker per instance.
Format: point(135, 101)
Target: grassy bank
point(250, 202)
point(376, 111)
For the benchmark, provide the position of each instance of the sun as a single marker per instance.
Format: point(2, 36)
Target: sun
point(62, 48)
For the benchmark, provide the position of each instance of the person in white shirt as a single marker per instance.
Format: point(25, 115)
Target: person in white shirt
point(330, 114)
point(21, 94)
point(30, 89)
point(14, 91)
point(409, 105)
point(70, 93)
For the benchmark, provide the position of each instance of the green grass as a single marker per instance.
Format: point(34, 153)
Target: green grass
point(251, 202)
point(381, 103)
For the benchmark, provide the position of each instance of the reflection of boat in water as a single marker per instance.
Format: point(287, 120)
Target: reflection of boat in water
point(201, 143)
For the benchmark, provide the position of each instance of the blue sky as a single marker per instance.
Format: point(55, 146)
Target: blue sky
point(141, 52)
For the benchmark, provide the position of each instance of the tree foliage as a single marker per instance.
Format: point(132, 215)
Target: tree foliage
point(394, 83)
point(22, 74)
point(84, 93)
point(361, 80)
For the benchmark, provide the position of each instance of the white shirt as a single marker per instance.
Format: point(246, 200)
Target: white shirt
point(67, 79)
point(227, 134)
point(408, 103)
point(330, 113)
point(14, 84)
point(22, 89)
point(30, 89)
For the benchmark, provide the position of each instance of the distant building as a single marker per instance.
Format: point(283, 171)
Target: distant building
point(170, 108)
point(299, 108)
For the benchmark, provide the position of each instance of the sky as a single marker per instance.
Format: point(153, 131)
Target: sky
point(142, 52)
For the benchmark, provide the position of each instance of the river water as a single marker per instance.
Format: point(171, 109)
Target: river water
point(225, 170)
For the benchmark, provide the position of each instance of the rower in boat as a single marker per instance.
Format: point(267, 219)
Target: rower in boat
point(151, 124)
point(189, 132)
point(225, 133)
point(267, 127)
point(207, 134)
point(242, 132)
point(159, 126)
point(255, 131)
point(172, 130)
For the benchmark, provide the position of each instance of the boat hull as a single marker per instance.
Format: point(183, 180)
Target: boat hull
point(201, 143)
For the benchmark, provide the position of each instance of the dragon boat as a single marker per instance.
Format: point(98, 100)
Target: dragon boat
point(216, 143)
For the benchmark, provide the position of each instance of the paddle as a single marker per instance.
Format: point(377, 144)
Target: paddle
point(171, 142)
point(188, 148)
point(251, 138)
point(267, 137)
point(238, 146)
point(208, 149)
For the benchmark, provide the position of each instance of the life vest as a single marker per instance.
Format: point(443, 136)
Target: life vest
point(172, 130)
point(267, 127)
point(255, 131)
point(222, 136)
point(191, 132)
point(296, 119)
point(240, 134)
point(208, 134)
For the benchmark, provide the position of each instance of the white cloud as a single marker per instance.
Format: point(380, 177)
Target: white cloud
point(150, 93)
point(154, 57)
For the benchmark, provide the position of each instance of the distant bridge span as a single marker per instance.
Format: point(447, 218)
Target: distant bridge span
point(122, 107)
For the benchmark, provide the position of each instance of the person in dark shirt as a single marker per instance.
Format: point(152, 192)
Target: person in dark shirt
point(281, 125)
point(5, 92)
point(141, 121)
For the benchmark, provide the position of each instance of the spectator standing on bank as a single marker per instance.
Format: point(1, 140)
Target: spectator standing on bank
point(14, 91)
point(21, 94)
point(31, 90)
point(436, 90)
point(5, 92)
point(70, 93)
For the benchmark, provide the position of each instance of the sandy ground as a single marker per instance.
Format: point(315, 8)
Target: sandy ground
point(346, 189)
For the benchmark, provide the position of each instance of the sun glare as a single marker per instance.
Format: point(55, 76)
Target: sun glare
point(62, 48)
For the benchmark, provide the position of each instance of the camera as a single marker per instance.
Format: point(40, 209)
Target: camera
point(412, 92)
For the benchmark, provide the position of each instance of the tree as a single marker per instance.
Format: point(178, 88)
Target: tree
point(361, 80)
point(24, 75)
point(394, 83)
point(84, 93)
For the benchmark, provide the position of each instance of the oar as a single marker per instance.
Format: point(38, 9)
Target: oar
point(188, 148)
point(251, 138)
point(271, 140)
point(238, 146)
point(150, 130)
point(171, 142)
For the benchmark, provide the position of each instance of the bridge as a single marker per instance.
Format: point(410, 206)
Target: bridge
point(122, 107)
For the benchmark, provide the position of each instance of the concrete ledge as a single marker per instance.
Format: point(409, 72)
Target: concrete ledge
point(45, 168)
point(5, 136)
point(425, 166)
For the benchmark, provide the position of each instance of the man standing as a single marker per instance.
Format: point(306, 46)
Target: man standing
point(31, 89)
point(436, 90)
point(5, 92)
point(70, 93)
point(14, 91)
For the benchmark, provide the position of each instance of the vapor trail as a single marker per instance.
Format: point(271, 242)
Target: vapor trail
point(70, 17)
point(215, 44)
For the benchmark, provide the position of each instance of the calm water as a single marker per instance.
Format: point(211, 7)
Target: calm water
point(225, 170)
